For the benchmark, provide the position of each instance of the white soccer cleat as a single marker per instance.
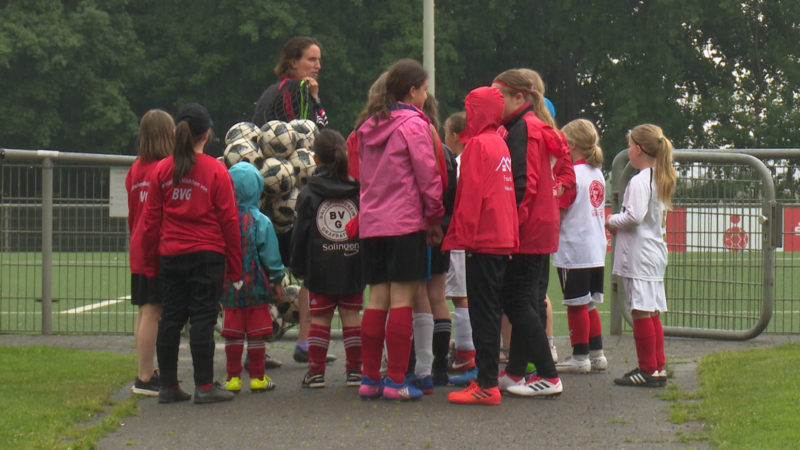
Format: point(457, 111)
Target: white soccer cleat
point(598, 360)
point(504, 381)
point(574, 364)
point(537, 386)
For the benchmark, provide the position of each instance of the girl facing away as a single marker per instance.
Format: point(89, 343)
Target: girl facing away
point(581, 254)
point(640, 255)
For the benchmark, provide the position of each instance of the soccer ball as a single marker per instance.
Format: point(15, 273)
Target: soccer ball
point(292, 313)
point(281, 211)
point(277, 139)
point(243, 150)
point(243, 130)
point(278, 176)
point(307, 132)
point(304, 165)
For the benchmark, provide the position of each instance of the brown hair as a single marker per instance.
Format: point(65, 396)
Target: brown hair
point(582, 134)
point(400, 78)
point(654, 144)
point(156, 135)
point(331, 151)
point(292, 51)
point(431, 110)
point(376, 97)
point(516, 81)
point(456, 123)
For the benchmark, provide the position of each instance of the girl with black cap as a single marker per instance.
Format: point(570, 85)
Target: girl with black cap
point(191, 204)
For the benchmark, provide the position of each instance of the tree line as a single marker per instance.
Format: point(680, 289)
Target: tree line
point(77, 75)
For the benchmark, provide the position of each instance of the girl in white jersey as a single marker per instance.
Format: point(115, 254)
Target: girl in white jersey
point(640, 256)
point(581, 254)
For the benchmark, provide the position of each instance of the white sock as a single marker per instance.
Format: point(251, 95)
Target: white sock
point(423, 343)
point(462, 329)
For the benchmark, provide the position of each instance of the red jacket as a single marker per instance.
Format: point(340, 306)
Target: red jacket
point(541, 162)
point(137, 185)
point(199, 215)
point(485, 215)
point(352, 155)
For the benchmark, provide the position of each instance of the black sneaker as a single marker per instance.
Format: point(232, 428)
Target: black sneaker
point(167, 395)
point(638, 377)
point(271, 363)
point(216, 393)
point(149, 388)
point(315, 380)
point(354, 378)
point(301, 356)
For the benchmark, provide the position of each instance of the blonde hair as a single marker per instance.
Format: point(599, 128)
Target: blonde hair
point(156, 135)
point(653, 143)
point(376, 98)
point(519, 81)
point(583, 135)
point(536, 79)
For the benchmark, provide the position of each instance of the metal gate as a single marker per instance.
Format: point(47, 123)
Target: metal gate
point(732, 264)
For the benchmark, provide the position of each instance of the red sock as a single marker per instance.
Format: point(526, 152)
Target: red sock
point(352, 347)
point(318, 339)
point(578, 322)
point(256, 351)
point(595, 326)
point(645, 337)
point(465, 355)
point(204, 387)
point(233, 356)
point(659, 332)
point(373, 332)
point(398, 342)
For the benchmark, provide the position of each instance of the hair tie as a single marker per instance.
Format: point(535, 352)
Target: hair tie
point(661, 138)
point(520, 90)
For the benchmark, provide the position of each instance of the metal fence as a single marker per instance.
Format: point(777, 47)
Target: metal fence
point(733, 238)
point(63, 243)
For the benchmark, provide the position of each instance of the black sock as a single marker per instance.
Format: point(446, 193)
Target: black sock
point(441, 344)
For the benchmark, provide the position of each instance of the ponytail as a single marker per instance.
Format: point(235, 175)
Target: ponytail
point(331, 151)
point(183, 152)
point(582, 134)
point(653, 143)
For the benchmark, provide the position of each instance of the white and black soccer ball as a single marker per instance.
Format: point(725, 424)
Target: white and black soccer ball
point(307, 132)
point(304, 165)
point(282, 211)
point(243, 130)
point(292, 313)
point(278, 176)
point(243, 150)
point(277, 139)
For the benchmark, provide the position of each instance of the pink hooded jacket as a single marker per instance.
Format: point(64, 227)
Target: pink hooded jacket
point(401, 190)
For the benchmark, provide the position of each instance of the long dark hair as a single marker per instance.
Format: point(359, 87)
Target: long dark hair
point(401, 77)
point(192, 122)
point(331, 151)
point(292, 51)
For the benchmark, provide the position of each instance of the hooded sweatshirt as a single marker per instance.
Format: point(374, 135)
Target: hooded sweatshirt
point(261, 259)
point(401, 188)
point(321, 252)
point(485, 215)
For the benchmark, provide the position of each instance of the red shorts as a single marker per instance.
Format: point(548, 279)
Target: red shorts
point(254, 321)
point(319, 305)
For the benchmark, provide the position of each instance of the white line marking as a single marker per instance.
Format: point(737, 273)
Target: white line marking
point(102, 304)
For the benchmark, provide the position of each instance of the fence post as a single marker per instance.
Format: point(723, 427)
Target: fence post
point(47, 245)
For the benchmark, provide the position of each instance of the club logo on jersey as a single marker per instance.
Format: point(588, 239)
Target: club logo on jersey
point(597, 193)
point(505, 165)
point(332, 217)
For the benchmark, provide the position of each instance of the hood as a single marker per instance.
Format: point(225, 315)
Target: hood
point(376, 135)
point(322, 185)
point(484, 107)
point(247, 184)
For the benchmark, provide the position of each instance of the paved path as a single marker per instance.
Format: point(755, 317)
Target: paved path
point(592, 412)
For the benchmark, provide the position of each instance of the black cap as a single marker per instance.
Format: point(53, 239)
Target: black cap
point(196, 115)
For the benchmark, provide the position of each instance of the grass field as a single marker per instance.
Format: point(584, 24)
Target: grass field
point(718, 290)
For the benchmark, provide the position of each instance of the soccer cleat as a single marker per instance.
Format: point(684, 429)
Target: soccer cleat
point(575, 365)
point(301, 356)
point(149, 388)
point(167, 395)
point(536, 386)
point(314, 380)
point(476, 395)
point(271, 363)
point(464, 378)
point(461, 365)
point(554, 353)
point(399, 391)
point(661, 377)
point(214, 394)
point(504, 381)
point(598, 360)
point(262, 384)
point(234, 384)
point(370, 388)
point(354, 378)
point(424, 384)
point(638, 377)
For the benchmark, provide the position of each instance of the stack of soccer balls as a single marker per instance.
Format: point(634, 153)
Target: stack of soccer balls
point(281, 152)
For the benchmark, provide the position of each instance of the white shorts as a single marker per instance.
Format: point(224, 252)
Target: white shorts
point(645, 295)
point(456, 280)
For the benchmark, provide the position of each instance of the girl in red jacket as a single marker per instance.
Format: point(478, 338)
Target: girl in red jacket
point(156, 133)
point(484, 224)
point(535, 149)
point(191, 205)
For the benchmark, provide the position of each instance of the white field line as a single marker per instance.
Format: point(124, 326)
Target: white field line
point(102, 304)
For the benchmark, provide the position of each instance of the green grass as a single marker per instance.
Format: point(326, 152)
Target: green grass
point(747, 399)
point(50, 394)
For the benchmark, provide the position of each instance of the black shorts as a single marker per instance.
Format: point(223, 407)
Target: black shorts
point(394, 258)
point(144, 290)
point(582, 286)
point(440, 260)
